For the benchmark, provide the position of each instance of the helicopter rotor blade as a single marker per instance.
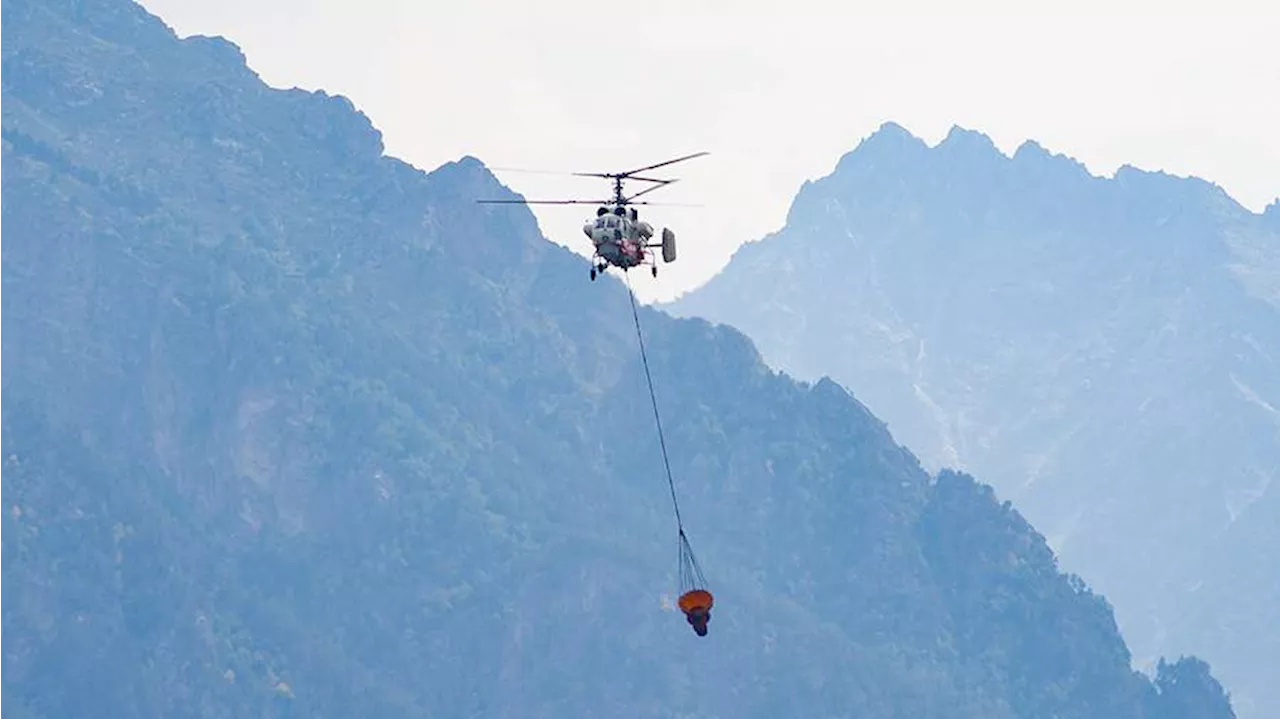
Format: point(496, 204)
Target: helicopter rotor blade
point(564, 173)
point(664, 164)
point(630, 174)
point(619, 176)
point(542, 202)
point(604, 203)
point(530, 171)
point(666, 204)
point(650, 189)
point(616, 176)
point(651, 179)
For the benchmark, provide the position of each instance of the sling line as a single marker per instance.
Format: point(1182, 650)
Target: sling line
point(690, 571)
point(635, 314)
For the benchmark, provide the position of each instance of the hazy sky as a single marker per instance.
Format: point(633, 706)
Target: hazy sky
point(775, 91)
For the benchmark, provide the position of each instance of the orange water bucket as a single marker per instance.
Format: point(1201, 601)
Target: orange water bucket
point(696, 599)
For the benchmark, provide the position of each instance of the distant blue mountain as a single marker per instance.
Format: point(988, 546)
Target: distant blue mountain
point(1102, 350)
point(293, 429)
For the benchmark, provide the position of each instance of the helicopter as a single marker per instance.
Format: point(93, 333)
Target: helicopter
point(621, 239)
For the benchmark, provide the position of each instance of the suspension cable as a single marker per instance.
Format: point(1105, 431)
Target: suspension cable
point(662, 442)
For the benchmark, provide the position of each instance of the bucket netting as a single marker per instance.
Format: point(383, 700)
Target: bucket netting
point(691, 576)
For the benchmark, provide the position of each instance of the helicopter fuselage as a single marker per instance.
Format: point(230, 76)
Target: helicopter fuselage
point(619, 238)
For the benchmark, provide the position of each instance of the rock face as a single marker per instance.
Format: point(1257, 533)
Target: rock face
point(294, 429)
point(1103, 351)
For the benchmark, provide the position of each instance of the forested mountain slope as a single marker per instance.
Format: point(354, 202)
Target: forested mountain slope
point(1103, 351)
point(294, 429)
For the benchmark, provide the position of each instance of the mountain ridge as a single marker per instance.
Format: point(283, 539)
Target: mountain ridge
point(1013, 316)
point(294, 428)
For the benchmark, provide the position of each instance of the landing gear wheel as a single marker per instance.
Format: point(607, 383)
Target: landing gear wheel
point(593, 274)
point(655, 271)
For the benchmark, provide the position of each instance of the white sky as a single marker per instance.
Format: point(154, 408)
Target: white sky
point(775, 91)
